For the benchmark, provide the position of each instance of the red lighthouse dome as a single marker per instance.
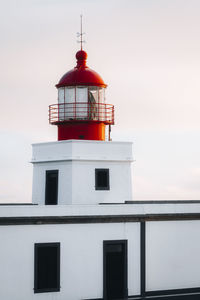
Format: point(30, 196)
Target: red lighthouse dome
point(81, 112)
point(81, 74)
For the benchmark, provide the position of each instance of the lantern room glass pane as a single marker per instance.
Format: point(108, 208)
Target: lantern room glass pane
point(61, 97)
point(69, 108)
point(93, 96)
point(82, 94)
point(101, 95)
point(102, 107)
point(81, 102)
point(69, 95)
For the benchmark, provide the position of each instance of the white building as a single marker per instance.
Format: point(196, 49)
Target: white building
point(83, 237)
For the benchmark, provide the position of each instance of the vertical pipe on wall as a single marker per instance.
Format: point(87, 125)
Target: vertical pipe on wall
point(142, 258)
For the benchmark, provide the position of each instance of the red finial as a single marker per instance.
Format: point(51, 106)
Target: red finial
point(81, 57)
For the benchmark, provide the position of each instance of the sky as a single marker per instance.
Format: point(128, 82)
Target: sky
point(147, 51)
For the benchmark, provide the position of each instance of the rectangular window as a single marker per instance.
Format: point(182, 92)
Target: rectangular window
point(51, 192)
point(47, 268)
point(102, 179)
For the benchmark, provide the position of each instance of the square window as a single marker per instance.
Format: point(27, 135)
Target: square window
point(47, 268)
point(102, 179)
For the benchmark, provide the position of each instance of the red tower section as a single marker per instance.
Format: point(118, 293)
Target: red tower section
point(81, 112)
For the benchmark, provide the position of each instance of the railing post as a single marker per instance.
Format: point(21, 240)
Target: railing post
point(98, 112)
point(74, 106)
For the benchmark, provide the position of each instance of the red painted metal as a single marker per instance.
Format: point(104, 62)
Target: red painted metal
point(81, 130)
point(81, 74)
point(81, 112)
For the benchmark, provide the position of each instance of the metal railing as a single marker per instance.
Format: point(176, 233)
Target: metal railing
point(81, 111)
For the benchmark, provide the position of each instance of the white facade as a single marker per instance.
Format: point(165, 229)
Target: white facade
point(171, 248)
point(81, 249)
point(76, 161)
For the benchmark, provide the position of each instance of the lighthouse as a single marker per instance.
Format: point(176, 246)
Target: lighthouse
point(84, 166)
point(81, 111)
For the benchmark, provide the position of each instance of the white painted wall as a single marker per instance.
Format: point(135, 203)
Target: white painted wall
point(76, 162)
point(172, 255)
point(81, 259)
point(83, 182)
point(82, 149)
point(64, 181)
point(94, 210)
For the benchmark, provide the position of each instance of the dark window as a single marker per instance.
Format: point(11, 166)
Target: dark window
point(102, 179)
point(47, 268)
point(51, 192)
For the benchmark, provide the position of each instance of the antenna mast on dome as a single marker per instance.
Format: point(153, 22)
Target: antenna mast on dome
point(80, 34)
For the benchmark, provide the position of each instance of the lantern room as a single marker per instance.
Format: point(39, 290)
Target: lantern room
point(81, 112)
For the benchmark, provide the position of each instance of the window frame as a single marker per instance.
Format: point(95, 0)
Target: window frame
point(107, 187)
point(46, 290)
